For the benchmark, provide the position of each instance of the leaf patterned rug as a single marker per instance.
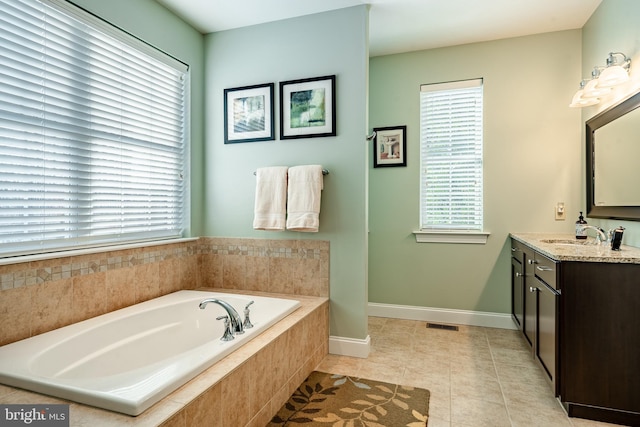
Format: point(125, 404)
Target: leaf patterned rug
point(341, 401)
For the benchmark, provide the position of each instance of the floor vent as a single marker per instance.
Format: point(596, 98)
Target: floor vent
point(441, 326)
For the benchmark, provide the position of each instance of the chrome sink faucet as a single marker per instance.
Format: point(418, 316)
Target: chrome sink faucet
point(236, 323)
point(601, 236)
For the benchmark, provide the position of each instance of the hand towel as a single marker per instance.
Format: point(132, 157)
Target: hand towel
point(303, 201)
point(271, 198)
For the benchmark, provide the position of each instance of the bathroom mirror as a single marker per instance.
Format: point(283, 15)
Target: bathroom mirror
point(613, 172)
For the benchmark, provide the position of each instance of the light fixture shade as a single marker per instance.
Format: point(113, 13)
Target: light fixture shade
point(593, 90)
point(578, 101)
point(612, 76)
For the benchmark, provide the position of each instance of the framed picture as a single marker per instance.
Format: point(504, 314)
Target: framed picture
point(308, 108)
point(390, 146)
point(248, 114)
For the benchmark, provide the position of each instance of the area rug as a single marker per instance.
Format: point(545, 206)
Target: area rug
point(337, 400)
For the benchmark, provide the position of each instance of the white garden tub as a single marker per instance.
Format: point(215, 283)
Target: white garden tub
point(129, 359)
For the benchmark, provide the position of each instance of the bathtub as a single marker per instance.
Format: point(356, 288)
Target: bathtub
point(127, 360)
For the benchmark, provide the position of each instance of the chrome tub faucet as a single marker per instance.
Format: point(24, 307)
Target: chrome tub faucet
point(236, 323)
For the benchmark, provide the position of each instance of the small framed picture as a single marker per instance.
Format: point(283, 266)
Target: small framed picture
point(248, 114)
point(390, 146)
point(308, 108)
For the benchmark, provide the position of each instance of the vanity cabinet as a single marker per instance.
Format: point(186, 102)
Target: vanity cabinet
point(581, 316)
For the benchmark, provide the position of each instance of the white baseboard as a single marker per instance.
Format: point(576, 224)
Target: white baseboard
point(343, 346)
point(442, 315)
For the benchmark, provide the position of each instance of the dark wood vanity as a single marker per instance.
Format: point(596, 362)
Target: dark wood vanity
point(578, 307)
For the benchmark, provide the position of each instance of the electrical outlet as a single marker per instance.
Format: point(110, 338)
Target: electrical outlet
point(560, 213)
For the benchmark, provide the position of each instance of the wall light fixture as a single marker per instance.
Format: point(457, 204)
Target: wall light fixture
point(592, 89)
point(616, 72)
point(602, 80)
point(579, 100)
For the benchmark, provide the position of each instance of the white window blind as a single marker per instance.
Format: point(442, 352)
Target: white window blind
point(451, 156)
point(92, 133)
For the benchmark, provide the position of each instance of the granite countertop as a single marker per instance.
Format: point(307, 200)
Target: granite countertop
point(574, 251)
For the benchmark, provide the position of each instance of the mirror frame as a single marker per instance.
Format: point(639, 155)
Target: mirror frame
point(630, 213)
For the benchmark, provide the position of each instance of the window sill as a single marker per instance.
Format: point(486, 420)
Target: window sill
point(91, 250)
point(472, 237)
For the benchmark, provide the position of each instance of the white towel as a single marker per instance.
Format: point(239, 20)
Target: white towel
point(271, 198)
point(303, 202)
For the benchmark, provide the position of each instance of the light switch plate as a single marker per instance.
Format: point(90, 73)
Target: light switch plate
point(560, 213)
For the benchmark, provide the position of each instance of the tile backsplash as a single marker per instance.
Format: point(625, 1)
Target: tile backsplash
point(38, 272)
point(39, 296)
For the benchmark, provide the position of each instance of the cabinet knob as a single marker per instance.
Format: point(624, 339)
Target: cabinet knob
point(532, 261)
point(519, 274)
point(532, 289)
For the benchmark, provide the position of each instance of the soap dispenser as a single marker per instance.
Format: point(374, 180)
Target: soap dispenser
point(581, 232)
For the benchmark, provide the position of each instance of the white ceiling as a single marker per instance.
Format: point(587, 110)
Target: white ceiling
point(402, 25)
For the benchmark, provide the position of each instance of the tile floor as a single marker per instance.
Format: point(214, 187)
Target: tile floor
point(477, 376)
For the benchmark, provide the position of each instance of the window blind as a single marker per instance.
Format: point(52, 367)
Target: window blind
point(451, 156)
point(92, 133)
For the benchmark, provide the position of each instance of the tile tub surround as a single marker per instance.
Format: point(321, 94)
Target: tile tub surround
point(244, 389)
point(39, 296)
point(299, 267)
point(588, 252)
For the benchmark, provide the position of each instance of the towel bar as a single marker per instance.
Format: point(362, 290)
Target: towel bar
point(324, 172)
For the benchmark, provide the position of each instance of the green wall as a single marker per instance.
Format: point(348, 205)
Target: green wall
point(156, 25)
point(311, 46)
point(613, 28)
point(532, 160)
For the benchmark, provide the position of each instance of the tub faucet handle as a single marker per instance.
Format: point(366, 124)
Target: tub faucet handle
point(228, 335)
point(247, 322)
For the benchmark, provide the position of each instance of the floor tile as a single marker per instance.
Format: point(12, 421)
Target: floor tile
point(477, 376)
point(478, 413)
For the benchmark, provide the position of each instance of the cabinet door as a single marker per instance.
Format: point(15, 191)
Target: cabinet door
point(517, 296)
point(546, 337)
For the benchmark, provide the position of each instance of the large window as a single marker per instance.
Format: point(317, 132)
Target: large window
point(93, 142)
point(451, 157)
